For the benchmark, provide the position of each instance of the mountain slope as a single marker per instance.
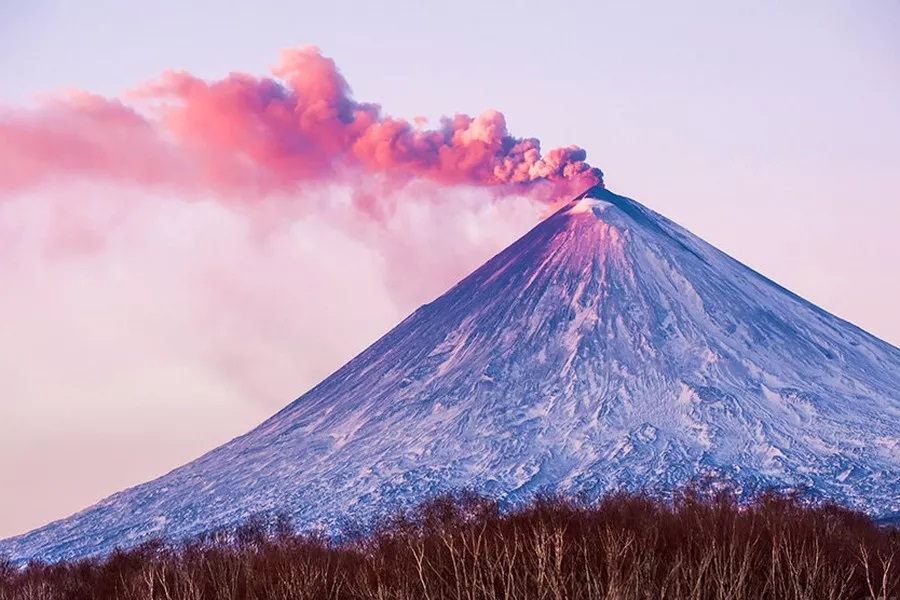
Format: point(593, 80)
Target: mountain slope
point(607, 347)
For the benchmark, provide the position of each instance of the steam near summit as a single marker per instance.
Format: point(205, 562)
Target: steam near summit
point(244, 133)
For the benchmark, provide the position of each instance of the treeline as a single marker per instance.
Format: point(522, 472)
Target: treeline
point(698, 546)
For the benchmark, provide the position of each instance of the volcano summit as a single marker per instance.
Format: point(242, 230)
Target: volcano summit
point(607, 348)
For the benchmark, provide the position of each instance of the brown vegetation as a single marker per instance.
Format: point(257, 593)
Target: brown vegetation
point(701, 546)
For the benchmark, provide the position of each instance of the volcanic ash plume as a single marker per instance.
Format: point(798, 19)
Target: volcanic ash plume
point(246, 134)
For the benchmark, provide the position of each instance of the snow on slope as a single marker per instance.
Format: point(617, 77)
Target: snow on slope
point(606, 348)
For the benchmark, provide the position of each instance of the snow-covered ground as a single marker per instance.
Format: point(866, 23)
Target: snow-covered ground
point(606, 348)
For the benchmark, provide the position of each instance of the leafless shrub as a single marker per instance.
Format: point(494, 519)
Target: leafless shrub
point(701, 545)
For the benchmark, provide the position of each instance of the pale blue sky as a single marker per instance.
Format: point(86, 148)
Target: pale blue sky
point(770, 128)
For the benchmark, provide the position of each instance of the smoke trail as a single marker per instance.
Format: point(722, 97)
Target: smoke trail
point(246, 134)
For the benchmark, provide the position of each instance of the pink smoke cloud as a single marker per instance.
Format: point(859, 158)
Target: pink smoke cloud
point(81, 135)
point(245, 133)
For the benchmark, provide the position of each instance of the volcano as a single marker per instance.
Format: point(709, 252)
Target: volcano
point(608, 348)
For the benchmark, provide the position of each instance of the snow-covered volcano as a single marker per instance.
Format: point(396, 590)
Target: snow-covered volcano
point(606, 348)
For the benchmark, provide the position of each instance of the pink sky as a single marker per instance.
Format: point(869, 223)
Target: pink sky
point(185, 251)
